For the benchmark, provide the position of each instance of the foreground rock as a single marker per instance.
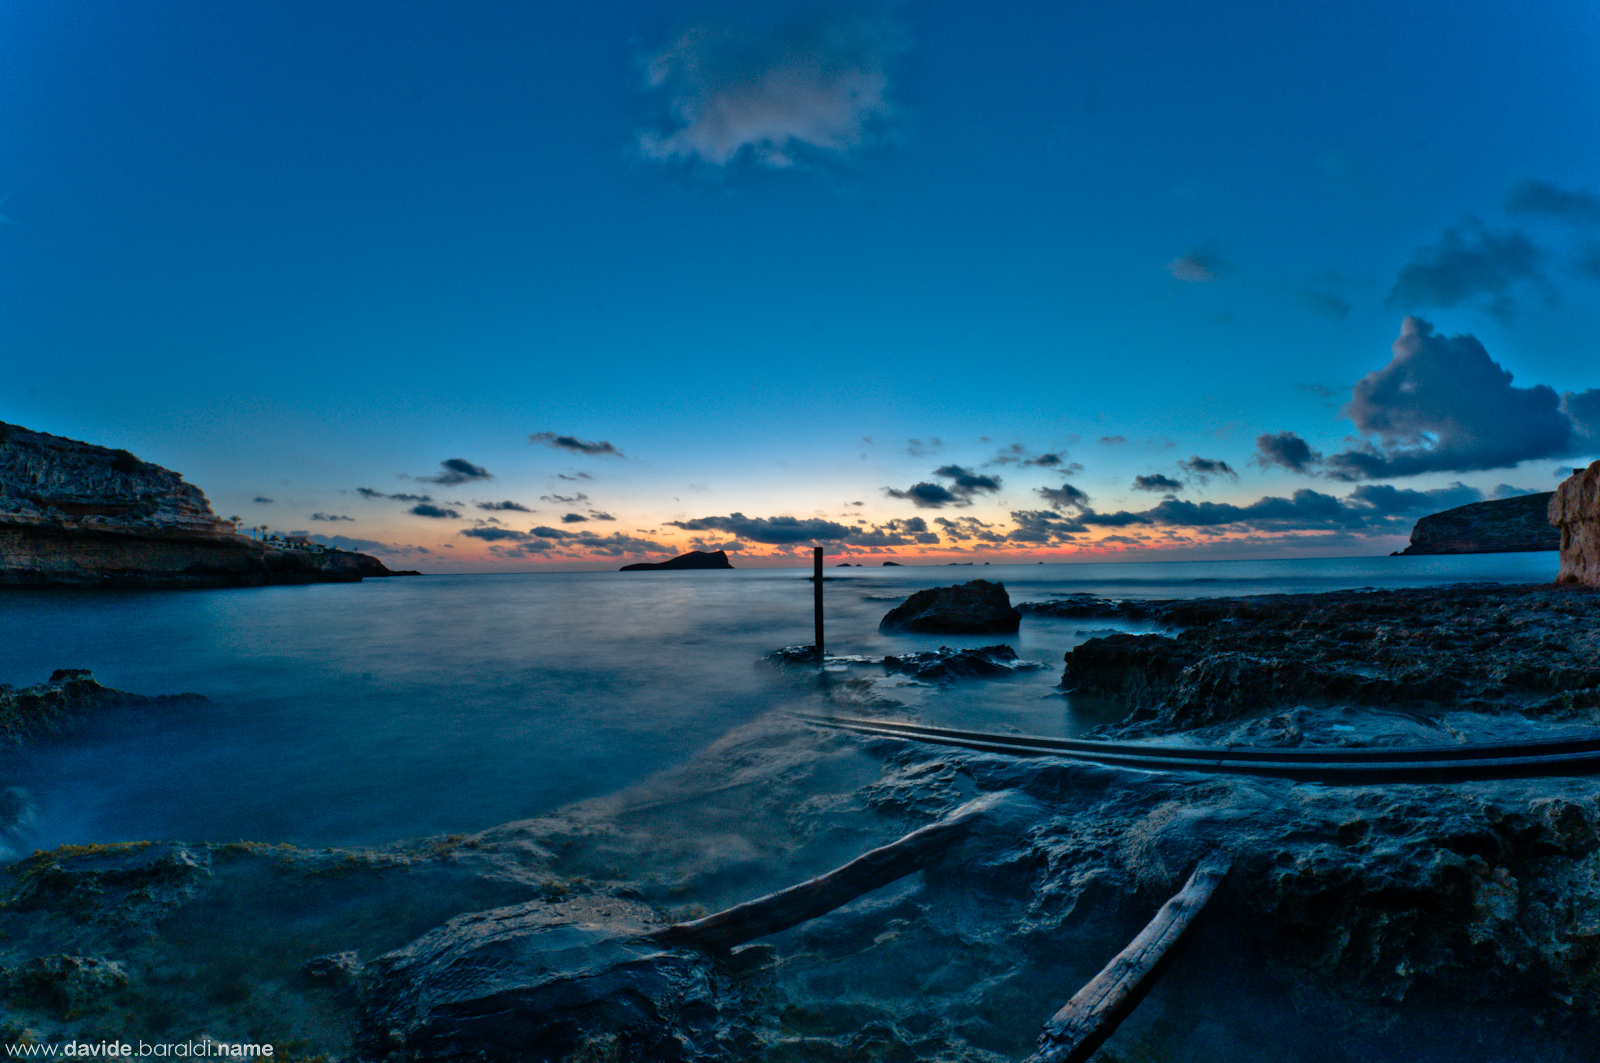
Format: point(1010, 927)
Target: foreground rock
point(1394, 924)
point(980, 607)
point(71, 696)
point(76, 515)
point(1502, 525)
point(1533, 650)
point(1575, 510)
point(693, 559)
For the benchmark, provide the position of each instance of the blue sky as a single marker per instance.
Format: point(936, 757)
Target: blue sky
point(1053, 281)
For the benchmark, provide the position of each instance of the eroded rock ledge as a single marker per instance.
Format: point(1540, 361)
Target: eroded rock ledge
point(1534, 650)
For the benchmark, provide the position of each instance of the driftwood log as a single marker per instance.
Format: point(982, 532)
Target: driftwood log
point(817, 896)
point(1075, 1032)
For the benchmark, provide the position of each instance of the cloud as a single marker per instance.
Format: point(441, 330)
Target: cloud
point(925, 495)
point(543, 532)
point(1017, 454)
point(917, 447)
point(345, 542)
point(963, 529)
point(913, 531)
point(1443, 405)
point(330, 516)
point(964, 486)
point(367, 492)
point(812, 85)
point(508, 507)
point(579, 476)
point(575, 445)
point(1112, 441)
point(1043, 527)
point(425, 510)
point(566, 500)
point(1373, 507)
point(1470, 265)
point(1326, 302)
point(595, 514)
point(1064, 497)
point(1285, 449)
point(1541, 199)
point(1203, 263)
point(774, 531)
point(495, 534)
point(458, 471)
point(260, 500)
point(573, 518)
point(1156, 482)
point(1202, 469)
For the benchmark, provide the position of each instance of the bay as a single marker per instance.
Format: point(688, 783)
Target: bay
point(361, 713)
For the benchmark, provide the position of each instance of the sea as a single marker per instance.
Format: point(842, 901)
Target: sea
point(342, 714)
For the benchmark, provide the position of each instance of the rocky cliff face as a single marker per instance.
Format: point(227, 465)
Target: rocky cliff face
point(48, 481)
point(74, 514)
point(1575, 510)
point(1504, 525)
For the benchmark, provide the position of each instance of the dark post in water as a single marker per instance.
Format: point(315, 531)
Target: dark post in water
point(816, 578)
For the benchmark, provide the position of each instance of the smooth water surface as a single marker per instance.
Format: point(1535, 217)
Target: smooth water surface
point(349, 713)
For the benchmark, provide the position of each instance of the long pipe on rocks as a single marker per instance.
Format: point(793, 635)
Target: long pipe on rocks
point(1496, 760)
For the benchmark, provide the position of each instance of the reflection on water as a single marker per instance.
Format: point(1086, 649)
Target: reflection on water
point(360, 713)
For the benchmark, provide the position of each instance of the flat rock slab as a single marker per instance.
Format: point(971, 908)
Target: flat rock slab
point(981, 607)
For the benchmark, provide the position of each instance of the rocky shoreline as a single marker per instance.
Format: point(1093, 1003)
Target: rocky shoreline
point(1527, 650)
point(1387, 923)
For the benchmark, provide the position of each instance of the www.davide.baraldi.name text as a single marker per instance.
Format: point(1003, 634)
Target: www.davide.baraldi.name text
point(207, 1049)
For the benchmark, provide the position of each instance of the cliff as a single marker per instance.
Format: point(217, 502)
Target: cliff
point(693, 559)
point(1575, 511)
point(76, 515)
point(1504, 525)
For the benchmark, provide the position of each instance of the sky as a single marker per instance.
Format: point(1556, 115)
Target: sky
point(513, 286)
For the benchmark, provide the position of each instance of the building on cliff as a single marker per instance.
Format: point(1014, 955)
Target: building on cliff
point(75, 514)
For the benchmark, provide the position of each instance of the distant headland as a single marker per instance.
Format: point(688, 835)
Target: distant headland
point(693, 559)
point(1501, 525)
point(74, 514)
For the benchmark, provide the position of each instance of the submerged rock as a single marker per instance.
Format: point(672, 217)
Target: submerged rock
point(986, 662)
point(981, 607)
point(70, 696)
point(539, 981)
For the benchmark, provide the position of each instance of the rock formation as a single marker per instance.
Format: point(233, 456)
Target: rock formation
point(980, 607)
point(74, 514)
point(693, 559)
point(1503, 525)
point(71, 695)
point(1488, 649)
point(1575, 510)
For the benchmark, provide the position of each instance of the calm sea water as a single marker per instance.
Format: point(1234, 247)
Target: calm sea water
point(367, 712)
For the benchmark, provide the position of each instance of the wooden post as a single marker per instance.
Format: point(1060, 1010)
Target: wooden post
point(816, 591)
